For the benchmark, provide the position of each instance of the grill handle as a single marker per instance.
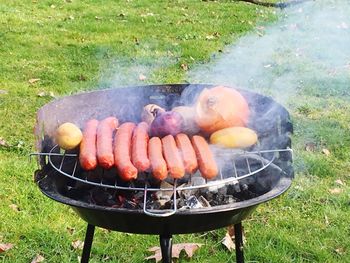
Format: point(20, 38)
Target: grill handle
point(160, 213)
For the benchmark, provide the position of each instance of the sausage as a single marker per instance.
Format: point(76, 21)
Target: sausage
point(122, 149)
point(187, 153)
point(87, 153)
point(139, 155)
point(206, 162)
point(104, 143)
point(158, 164)
point(172, 157)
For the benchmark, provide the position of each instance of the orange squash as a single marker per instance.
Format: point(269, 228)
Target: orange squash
point(221, 107)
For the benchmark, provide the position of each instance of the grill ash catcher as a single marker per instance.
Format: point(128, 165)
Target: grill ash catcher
point(246, 178)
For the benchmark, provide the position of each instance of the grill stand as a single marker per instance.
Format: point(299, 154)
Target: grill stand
point(166, 244)
point(239, 242)
point(89, 236)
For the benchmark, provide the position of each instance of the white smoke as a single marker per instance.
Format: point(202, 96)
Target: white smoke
point(307, 48)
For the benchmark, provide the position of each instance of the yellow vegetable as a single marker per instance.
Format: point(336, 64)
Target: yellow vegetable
point(68, 136)
point(234, 137)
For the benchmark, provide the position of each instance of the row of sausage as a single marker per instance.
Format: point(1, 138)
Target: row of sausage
point(129, 148)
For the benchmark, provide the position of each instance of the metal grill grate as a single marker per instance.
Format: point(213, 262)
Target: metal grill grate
point(242, 166)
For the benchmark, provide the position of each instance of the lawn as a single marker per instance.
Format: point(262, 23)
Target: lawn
point(55, 48)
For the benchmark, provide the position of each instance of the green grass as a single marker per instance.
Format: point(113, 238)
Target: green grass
point(74, 46)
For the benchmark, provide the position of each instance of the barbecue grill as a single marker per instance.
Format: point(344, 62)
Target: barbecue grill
point(246, 178)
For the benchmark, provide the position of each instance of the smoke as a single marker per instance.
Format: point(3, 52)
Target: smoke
point(307, 49)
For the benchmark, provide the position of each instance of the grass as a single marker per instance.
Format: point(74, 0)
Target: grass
point(74, 46)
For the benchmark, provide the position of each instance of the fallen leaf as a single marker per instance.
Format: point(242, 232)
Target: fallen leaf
point(3, 142)
point(310, 147)
point(3, 91)
point(335, 191)
point(14, 207)
point(45, 94)
point(228, 242)
point(340, 250)
point(209, 37)
point(5, 246)
point(184, 67)
point(78, 244)
point(32, 81)
point(142, 77)
point(326, 152)
point(326, 220)
point(189, 248)
point(38, 258)
point(340, 182)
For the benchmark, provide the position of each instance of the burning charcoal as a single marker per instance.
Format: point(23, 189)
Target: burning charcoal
point(222, 190)
point(192, 202)
point(204, 202)
point(100, 196)
point(165, 194)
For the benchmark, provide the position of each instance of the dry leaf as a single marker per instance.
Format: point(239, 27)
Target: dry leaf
point(78, 244)
point(157, 254)
point(38, 258)
point(3, 142)
point(14, 207)
point(228, 242)
point(326, 152)
point(45, 94)
point(340, 182)
point(32, 81)
point(310, 147)
point(142, 77)
point(335, 191)
point(210, 37)
point(184, 67)
point(5, 246)
point(340, 250)
point(189, 249)
point(3, 91)
point(326, 220)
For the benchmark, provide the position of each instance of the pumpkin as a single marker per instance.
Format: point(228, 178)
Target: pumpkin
point(220, 107)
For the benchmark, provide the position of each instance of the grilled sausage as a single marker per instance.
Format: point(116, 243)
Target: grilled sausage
point(104, 143)
point(206, 162)
point(87, 153)
point(122, 148)
point(158, 164)
point(173, 158)
point(139, 155)
point(187, 153)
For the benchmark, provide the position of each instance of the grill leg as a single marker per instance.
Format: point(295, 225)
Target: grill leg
point(239, 242)
point(166, 247)
point(89, 236)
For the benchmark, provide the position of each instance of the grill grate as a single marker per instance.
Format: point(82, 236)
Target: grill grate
point(243, 165)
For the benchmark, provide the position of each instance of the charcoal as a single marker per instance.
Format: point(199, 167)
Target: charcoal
point(204, 202)
point(192, 202)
